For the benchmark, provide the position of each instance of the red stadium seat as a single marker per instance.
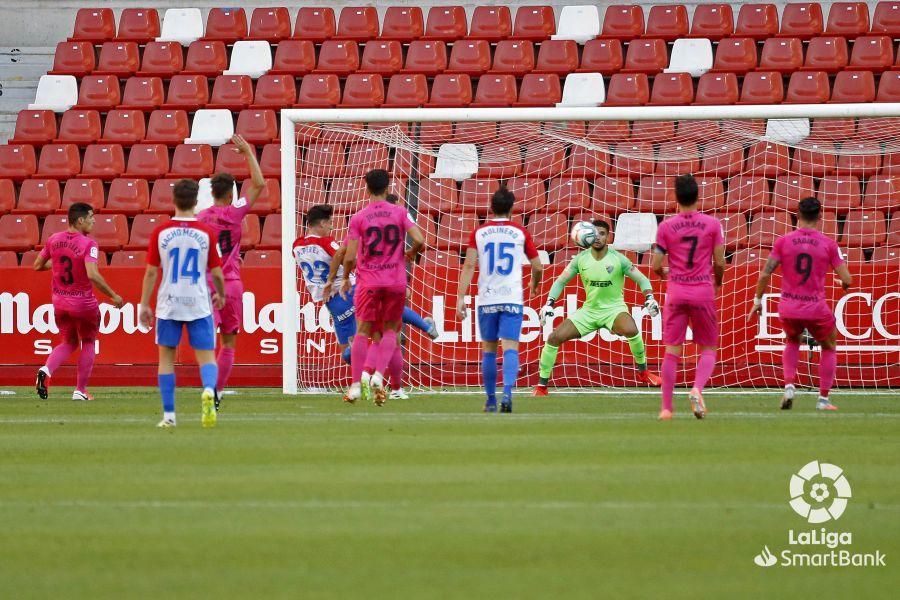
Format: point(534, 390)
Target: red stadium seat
point(586, 162)
point(768, 159)
point(717, 88)
point(698, 131)
point(363, 90)
point(89, 191)
point(887, 19)
point(128, 196)
point(446, 23)
point(602, 56)
point(723, 159)
point(96, 25)
point(251, 236)
point(646, 56)
point(883, 193)
point(713, 21)
point(407, 91)
point(496, 90)
point(319, 91)
point(18, 232)
point(472, 57)
point(568, 195)
point(747, 193)
point(859, 157)
point(188, 92)
point(884, 254)
point(52, 224)
point(338, 56)
point(612, 195)
point(161, 196)
point(103, 161)
point(451, 90)
point(557, 56)
point(677, 157)
point(270, 161)
point(38, 196)
point(762, 87)
point(168, 126)
point(206, 57)
point(226, 24)
point(100, 92)
point(710, 193)
point(402, 23)
point(118, 58)
point(294, 57)
point(234, 92)
point(347, 195)
point(668, 22)
point(427, 57)
point(271, 24)
point(534, 23)
point(784, 55)
point(359, 23)
point(893, 237)
point(263, 258)
point(759, 21)
point(275, 91)
point(839, 193)
point(672, 89)
point(492, 23)
point(36, 127)
point(540, 90)
point(849, 19)
point(833, 129)
point(258, 127)
point(143, 93)
point(310, 191)
point(315, 24)
point(656, 195)
point(128, 258)
point(803, 20)
point(124, 126)
point(162, 59)
point(436, 196)
point(8, 258)
point(384, 57)
point(549, 231)
point(623, 21)
point(768, 226)
point(736, 55)
point(864, 228)
point(139, 25)
point(790, 189)
point(752, 257)
point(872, 53)
point(889, 87)
point(628, 90)
point(853, 86)
point(228, 160)
point(808, 87)
point(149, 161)
point(531, 194)
point(816, 160)
point(475, 195)
point(632, 159)
point(498, 159)
point(513, 56)
point(141, 229)
point(7, 195)
point(544, 159)
point(73, 58)
point(269, 199)
point(324, 159)
point(192, 161)
point(59, 161)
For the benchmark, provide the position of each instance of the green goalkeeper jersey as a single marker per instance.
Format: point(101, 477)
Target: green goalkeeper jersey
point(604, 279)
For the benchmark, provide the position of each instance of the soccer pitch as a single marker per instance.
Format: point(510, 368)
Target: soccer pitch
point(572, 496)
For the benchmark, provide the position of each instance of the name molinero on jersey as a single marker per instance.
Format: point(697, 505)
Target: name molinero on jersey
point(313, 255)
point(503, 247)
point(185, 250)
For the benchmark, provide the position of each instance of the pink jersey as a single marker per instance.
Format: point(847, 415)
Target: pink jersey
point(688, 239)
point(806, 257)
point(68, 252)
point(381, 230)
point(226, 221)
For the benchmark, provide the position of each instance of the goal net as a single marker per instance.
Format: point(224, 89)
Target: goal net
point(564, 165)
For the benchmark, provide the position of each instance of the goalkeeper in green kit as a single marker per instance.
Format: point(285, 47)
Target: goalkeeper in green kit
point(603, 271)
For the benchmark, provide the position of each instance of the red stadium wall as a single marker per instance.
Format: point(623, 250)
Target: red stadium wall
point(868, 321)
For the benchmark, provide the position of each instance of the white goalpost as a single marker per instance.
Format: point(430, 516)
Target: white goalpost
point(565, 164)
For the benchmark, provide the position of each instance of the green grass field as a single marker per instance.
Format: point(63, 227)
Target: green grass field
point(579, 496)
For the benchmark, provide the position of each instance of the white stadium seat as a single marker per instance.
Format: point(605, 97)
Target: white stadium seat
point(579, 23)
point(58, 93)
point(583, 89)
point(182, 25)
point(456, 161)
point(694, 56)
point(635, 232)
point(211, 126)
point(250, 58)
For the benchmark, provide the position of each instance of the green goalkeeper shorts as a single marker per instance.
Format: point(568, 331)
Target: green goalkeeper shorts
point(591, 318)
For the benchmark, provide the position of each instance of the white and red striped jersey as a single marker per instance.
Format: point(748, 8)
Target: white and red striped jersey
point(185, 250)
point(503, 247)
point(313, 254)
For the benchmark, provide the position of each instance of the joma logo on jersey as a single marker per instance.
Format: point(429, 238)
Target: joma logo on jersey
point(599, 284)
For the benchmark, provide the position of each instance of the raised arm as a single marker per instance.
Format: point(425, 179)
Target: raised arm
point(465, 280)
point(93, 273)
point(257, 181)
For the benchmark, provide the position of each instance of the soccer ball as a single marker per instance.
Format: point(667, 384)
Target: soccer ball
point(584, 234)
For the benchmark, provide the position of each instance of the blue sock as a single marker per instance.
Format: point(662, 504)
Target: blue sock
point(209, 374)
point(411, 317)
point(489, 372)
point(510, 372)
point(345, 355)
point(167, 391)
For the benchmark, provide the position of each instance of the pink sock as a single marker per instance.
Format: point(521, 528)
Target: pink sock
point(827, 367)
point(669, 373)
point(385, 351)
point(225, 360)
point(789, 359)
point(705, 367)
point(85, 365)
point(395, 368)
point(358, 350)
point(58, 356)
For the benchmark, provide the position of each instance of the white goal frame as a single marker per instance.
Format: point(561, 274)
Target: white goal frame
point(290, 118)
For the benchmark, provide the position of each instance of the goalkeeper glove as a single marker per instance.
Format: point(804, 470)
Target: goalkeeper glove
point(651, 306)
point(547, 312)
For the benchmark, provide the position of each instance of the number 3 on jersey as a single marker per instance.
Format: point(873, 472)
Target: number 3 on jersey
point(190, 269)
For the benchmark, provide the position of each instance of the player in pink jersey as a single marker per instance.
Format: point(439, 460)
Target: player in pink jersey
point(695, 248)
point(73, 257)
point(806, 256)
point(375, 247)
point(225, 217)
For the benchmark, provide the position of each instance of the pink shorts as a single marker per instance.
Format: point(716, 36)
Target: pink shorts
point(228, 320)
point(820, 328)
point(700, 314)
point(380, 304)
point(78, 326)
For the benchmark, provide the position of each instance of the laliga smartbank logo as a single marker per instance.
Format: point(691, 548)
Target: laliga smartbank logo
point(819, 492)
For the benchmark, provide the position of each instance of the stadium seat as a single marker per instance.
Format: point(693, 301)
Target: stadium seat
point(363, 90)
point(602, 56)
point(269, 200)
point(859, 157)
point(407, 90)
point(646, 56)
point(446, 23)
point(803, 20)
point(227, 25)
point(128, 258)
point(315, 24)
point(539, 90)
point(534, 23)
point(451, 90)
point(427, 57)
point(839, 193)
point(347, 195)
point(586, 162)
point(472, 57)
point(672, 89)
point(18, 232)
point(142, 93)
point(668, 22)
point(692, 56)
point(182, 25)
point(89, 191)
point(103, 161)
point(632, 159)
point(274, 91)
point(628, 90)
point(319, 91)
point(491, 23)
point(710, 194)
point(815, 159)
point(161, 59)
point(864, 228)
point(784, 55)
point(323, 159)
point(872, 53)
point(206, 57)
point(513, 57)
point(717, 88)
point(677, 157)
point(384, 57)
point(7, 195)
point(253, 58)
point(192, 161)
point(750, 257)
point(95, 25)
point(73, 58)
point(232, 92)
point(148, 161)
point(475, 195)
point(168, 126)
point(578, 23)
point(723, 159)
point(886, 19)
point(808, 87)
point(58, 93)
point(128, 196)
point(52, 224)
point(294, 57)
point(612, 195)
point(623, 21)
point(310, 191)
point(338, 56)
point(853, 86)
point(747, 193)
point(38, 197)
point(453, 231)
point(768, 226)
point(885, 254)
point(187, 92)
point(36, 127)
point(758, 21)
point(557, 56)
point(790, 189)
point(544, 159)
point(889, 87)
point(549, 231)
point(402, 23)
point(883, 193)
point(141, 229)
point(161, 196)
point(893, 236)
point(358, 23)
point(228, 160)
point(762, 87)
point(213, 127)
point(270, 24)
point(848, 19)
point(583, 89)
point(118, 58)
point(568, 194)
point(496, 90)
point(8, 259)
point(59, 161)
point(656, 195)
point(436, 196)
point(139, 25)
point(833, 129)
point(271, 233)
point(263, 258)
point(124, 126)
point(767, 159)
point(736, 55)
point(697, 130)
point(362, 157)
point(712, 21)
point(101, 92)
